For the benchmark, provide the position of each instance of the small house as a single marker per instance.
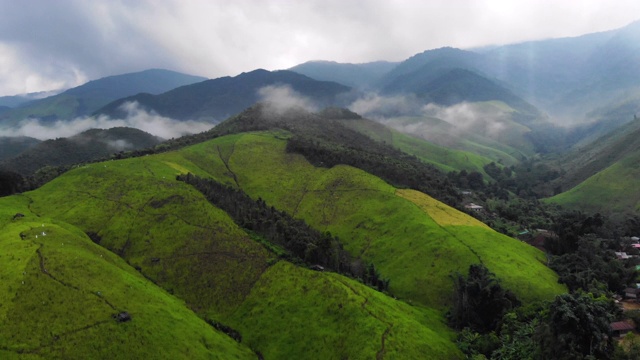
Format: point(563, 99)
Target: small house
point(473, 207)
point(621, 255)
point(631, 293)
point(621, 328)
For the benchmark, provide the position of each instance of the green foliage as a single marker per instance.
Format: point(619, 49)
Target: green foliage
point(577, 327)
point(303, 242)
point(593, 267)
point(479, 301)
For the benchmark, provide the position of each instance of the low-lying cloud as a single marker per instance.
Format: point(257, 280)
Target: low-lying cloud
point(375, 106)
point(136, 117)
point(463, 118)
point(280, 98)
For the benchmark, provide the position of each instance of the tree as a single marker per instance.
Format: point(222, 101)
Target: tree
point(577, 327)
point(479, 300)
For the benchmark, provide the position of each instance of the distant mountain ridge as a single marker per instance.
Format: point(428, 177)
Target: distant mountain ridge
point(87, 146)
point(217, 99)
point(85, 99)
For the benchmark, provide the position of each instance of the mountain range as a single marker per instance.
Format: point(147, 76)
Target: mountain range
point(87, 98)
point(332, 211)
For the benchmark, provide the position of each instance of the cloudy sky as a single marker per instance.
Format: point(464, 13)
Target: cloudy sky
point(47, 44)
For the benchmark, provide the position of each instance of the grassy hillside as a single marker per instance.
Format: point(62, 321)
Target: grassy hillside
point(60, 292)
point(610, 191)
point(444, 134)
point(170, 234)
point(403, 241)
point(326, 316)
point(445, 159)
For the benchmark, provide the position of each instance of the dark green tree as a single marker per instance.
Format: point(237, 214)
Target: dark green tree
point(577, 327)
point(479, 301)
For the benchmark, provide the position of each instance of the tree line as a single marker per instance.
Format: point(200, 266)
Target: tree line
point(303, 243)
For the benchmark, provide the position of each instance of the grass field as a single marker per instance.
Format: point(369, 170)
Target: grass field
point(400, 238)
point(168, 233)
point(59, 292)
point(610, 191)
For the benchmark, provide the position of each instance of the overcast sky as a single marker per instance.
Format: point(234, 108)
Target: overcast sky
point(47, 44)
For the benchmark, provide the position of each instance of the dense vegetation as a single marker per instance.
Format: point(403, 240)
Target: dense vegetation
point(303, 243)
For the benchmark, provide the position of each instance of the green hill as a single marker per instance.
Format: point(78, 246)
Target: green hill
point(375, 221)
point(507, 150)
point(444, 158)
point(176, 239)
point(65, 297)
point(171, 237)
point(611, 191)
point(601, 176)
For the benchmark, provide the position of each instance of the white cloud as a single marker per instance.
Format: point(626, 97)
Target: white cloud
point(280, 98)
point(45, 44)
point(136, 118)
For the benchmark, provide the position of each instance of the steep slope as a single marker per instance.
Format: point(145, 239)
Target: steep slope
point(412, 239)
point(611, 191)
point(601, 176)
point(87, 146)
point(588, 159)
point(494, 136)
point(174, 237)
point(361, 76)
point(217, 99)
point(65, 297)
point(444, 158)
point(87, 98)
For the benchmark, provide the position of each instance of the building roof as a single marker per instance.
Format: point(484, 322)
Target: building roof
point(621, 326)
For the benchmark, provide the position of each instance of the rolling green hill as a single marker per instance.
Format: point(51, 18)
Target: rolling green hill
point(601, 176)
point(176, 239)
point(507, 150)
point(61, 297)
point(444, 158)
point(376, 221)
point(611, 191)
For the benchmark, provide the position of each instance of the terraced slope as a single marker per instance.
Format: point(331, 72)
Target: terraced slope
point(175, 238)
point(61, 296)
point(404, 242)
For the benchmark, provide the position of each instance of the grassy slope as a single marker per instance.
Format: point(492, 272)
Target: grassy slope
point(447, 135)
point(58, 292)
point(611, 190)
point(139, 210)
point(181, 242)
point(445, 159)
point(407, 245)
point(327, 316)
